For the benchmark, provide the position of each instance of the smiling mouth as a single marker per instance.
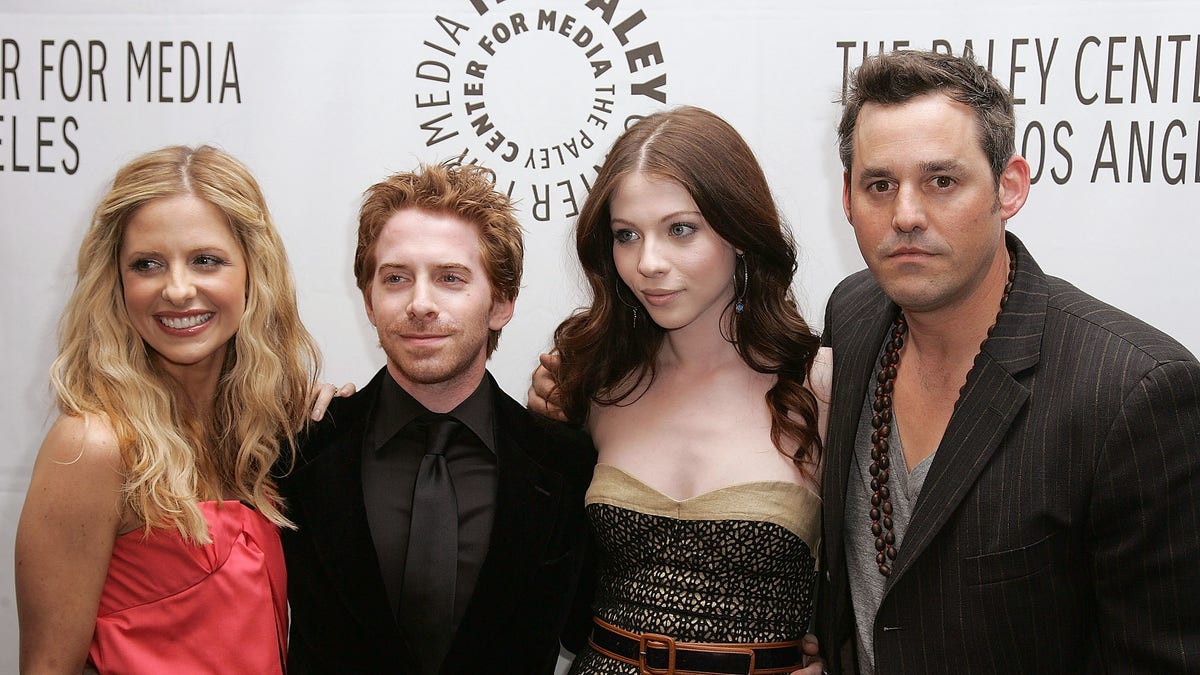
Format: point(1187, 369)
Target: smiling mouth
point(183, 322)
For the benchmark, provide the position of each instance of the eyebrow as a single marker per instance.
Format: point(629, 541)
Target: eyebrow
point(669, 216)
point(212, 248)
point(942, 166)
point(436, 266)
point(930, 166)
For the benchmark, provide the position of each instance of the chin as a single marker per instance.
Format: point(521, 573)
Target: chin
point(431, 373)
point(913, 299)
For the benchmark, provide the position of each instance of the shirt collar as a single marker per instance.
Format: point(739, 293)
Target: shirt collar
point(396, 408)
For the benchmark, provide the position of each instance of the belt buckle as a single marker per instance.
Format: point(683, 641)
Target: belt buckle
point(656, 641)
point(647, 641)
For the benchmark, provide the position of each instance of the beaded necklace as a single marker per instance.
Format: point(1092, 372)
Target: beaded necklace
point(881, 423)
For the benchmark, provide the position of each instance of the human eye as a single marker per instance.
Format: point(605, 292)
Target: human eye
point(392, 278)
point(879, 186)
point(943, 182)
point(451, 278)
point(208, 260)
point(624, 236)
point(681, 229)
point(144, 265)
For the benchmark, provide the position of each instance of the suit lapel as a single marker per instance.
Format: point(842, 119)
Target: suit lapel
point(331, 485)
point(863, 317)
point(985, 410)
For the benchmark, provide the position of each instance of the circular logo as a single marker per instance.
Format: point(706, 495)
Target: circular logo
point(537, 91)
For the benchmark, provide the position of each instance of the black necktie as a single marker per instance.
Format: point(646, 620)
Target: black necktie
point(431, 568)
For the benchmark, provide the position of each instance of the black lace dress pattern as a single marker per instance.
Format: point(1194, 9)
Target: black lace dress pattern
point(732, 565)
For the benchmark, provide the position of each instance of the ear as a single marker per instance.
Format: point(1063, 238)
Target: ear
point(846, 195)
point(501, 314)
point(366, 293)
point(1013, 189)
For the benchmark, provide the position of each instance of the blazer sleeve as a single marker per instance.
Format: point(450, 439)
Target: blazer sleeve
point(578, 624)
point(827, 329)
point(1145, 527)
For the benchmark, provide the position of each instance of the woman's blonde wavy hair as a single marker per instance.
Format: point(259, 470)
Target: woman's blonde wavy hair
point(172, 455)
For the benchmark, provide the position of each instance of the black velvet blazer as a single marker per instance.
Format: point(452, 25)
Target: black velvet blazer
point(528, 592)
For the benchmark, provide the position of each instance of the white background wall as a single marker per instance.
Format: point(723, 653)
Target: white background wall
point(325, 102)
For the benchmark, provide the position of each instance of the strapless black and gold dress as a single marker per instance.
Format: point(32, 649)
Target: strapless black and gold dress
point(735, 565)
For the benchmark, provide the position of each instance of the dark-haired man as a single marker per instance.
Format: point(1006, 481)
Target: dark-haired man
point(1011, 482)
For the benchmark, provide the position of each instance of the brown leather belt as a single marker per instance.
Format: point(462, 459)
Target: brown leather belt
point(656, 654)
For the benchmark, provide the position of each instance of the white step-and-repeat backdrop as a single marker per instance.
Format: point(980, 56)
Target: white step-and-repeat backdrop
point(322, 98)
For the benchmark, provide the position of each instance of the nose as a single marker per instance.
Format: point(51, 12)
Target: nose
point(651, 262)
point(180, 288)
point(909, 209)
point(421, 304)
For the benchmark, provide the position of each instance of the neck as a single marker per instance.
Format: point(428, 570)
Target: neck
point(197, 384)
point(699, 346)
point(441, 397)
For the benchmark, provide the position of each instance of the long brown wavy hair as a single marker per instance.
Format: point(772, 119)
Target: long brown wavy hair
point(605, 356)
point(173, 457)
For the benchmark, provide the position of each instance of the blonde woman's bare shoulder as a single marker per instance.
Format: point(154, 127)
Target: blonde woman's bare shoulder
point(85, 438)
point(65, 535)
point(78, 477)
point(79, 461)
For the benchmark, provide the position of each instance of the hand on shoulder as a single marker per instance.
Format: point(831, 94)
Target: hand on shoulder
point(821, 380)
point(323, 394)
point(820, 383)
point(543, 396)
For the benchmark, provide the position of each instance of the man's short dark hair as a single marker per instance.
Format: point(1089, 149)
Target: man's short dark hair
point(889, 79)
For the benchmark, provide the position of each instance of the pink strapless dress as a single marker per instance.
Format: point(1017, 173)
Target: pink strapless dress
point(179, 608)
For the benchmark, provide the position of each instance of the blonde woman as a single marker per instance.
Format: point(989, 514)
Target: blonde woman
point(148, 542)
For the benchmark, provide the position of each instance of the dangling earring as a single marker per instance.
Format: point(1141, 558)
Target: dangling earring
point(634, 306)
point(741, 296)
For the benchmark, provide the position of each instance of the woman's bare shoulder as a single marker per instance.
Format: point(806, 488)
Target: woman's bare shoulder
point(820, 380)
point(85, 438)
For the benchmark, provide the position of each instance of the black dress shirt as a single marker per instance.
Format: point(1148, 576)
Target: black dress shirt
point(392, 452)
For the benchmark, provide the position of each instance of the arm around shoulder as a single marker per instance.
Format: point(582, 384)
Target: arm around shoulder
point(65, 536)
point(1144, 526)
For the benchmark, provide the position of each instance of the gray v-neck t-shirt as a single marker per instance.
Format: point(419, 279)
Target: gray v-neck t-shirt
point(866, 583)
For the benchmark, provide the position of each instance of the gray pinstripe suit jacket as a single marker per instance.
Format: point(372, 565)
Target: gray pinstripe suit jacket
point(1058, 530)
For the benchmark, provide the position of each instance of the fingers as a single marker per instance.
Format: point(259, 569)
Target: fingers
point(812, 660)
point(543, 394)
point(326, 393)
point(550, 362)
point(538, 404)
point(809, 645)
